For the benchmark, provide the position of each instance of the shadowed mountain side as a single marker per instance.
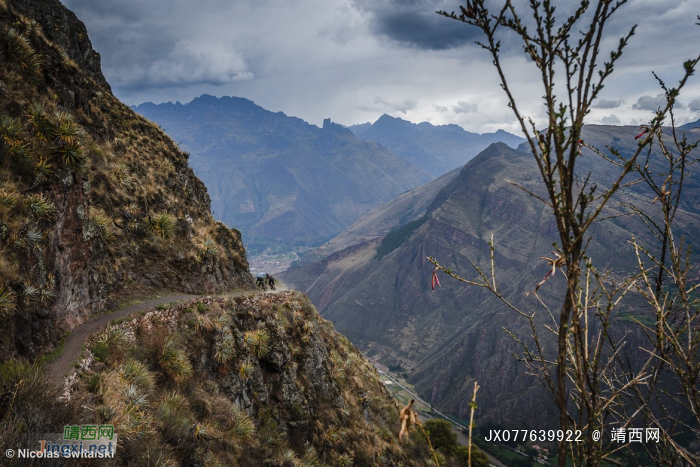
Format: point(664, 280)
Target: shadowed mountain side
point(445, 339)
point(435, 148)
point(277, 178)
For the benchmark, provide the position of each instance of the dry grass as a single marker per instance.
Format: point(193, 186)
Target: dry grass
point(228, 411)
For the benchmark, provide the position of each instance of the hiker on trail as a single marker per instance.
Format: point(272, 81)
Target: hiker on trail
point(271, 281)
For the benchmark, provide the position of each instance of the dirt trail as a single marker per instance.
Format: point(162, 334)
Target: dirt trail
point(74, 342)
point(72, 349)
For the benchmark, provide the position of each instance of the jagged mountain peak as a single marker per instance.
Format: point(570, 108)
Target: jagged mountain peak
point(436, 148)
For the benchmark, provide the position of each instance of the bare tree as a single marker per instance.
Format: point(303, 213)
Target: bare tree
point(588, 377)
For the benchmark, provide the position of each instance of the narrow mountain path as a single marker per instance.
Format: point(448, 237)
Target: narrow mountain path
point(73, 347)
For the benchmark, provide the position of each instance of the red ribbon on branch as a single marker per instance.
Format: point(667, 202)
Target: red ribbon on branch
point(435, 279)
point(645, 130)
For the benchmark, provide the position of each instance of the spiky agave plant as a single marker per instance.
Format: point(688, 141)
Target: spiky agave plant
point(102, 223)
point(44, 129)
point(21, 51)
point(224, 347)
point(288, 458)
point(241, 428)
point(174, 416)
point(334, 435)
point(33, 237)
point(72, 155)
point(209, 247)
point(162, 225)
point(174, 362)
point(10, 131)
point(39, 206)
point(43, 168)
point(257, 342)
point(245, 370)
point(136, 373)
point(8, 199)
point(8, 302)
point(121, 174)
point(203, 322)
point(133, 395)
point(30, 292)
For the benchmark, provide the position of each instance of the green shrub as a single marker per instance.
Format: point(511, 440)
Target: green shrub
point(174, 416)
point(174, 362)
point(101, 351)
point(8, 302)
point(258, 342)
point(136, 373)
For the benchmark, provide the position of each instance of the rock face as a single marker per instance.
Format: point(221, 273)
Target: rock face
point(445, 339)
point(435, 148)
point(282, 182)
point(261, 380)
point(98, 203)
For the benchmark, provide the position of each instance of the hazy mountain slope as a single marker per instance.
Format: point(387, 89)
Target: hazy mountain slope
point(96, 201)
point(277, 178)
point(436, 149)
point(691, 125)
point(444, 339)
point(405, 208)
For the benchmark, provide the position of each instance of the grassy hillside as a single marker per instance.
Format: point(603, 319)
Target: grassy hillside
point(247, 381)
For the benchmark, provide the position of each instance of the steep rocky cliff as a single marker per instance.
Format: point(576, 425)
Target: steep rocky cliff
point(253, 380)
point(95, 201)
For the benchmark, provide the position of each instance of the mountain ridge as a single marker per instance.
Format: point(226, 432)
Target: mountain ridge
point(266, 169)
point(436, 148)
point(443, 340)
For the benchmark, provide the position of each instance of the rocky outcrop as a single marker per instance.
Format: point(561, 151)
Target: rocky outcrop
point(123, 213)
point(268, 381)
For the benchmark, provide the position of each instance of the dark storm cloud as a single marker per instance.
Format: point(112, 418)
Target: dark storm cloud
point(148, 45)
point(653, 103)
point(414, 23)
point(463, 107)
point(607, 103)
point(694, 105)
point(610, 120)
point(320, 58)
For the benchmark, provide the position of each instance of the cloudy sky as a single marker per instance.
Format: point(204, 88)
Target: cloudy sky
point(353, 60)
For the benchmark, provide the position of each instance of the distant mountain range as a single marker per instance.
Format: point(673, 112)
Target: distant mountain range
point(373, 280)
point(691, 125)
point(281, 181)
point(437, 149)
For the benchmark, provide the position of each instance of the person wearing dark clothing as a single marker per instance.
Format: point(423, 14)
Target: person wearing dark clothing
point(271, 281)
